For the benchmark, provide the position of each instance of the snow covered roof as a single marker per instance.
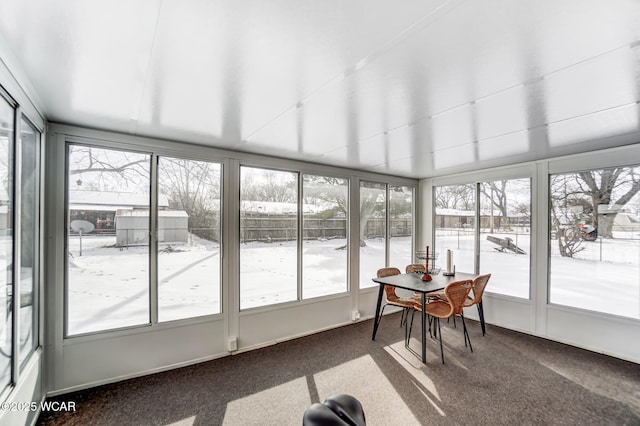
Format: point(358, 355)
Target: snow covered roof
point(145, 213)
point(98, 207)
point(454, 212)
point(270, 207)
point(111, 200)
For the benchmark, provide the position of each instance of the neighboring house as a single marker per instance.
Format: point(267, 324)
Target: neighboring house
point(626, 222)
point(454, 218)
point(132, 227)
point(126, 215)
point(100, 207)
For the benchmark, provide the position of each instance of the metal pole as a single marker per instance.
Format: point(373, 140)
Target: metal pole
point(600, 249)
point(80, 232)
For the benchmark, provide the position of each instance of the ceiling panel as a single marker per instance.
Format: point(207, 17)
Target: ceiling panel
point(418, 89)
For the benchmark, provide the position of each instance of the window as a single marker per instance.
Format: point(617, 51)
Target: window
point(107, 239)
point(505, 237)
point(500, 229)
point(188, 238)
point(595, 240)
point(29, 241)
point(373, 230)
point(325, 245)
point(19, 241)
point(268, 237)
point(6, 236)
point(455, 224)
point(400, 226)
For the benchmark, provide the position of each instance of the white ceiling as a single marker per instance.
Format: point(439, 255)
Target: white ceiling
point(415, 88)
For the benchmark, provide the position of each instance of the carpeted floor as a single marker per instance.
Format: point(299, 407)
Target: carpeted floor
point(510, 378)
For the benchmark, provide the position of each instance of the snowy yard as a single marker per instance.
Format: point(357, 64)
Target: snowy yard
point(109, 286)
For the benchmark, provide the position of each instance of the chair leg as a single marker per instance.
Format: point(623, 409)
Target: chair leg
point(403, 316)
point(407, 334)
point(435, 330)
point(441, 350)
point(481, 316)
point(429, 321)
point(466, 333)
point(381, 312)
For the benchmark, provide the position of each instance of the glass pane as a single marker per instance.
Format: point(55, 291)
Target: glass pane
point(455, 225)
point(29, 205)
point(401, 224)
point(373, 227)
point(595, 240)
point(325, 248)
point(108, 239)
point(505, 235)
point(188, 238)
point(268, 237)
point(6, 240)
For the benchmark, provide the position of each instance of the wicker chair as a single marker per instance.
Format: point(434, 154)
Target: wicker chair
point(417, 296)
point(415, 267)
point(392, 298)
point(479, 284)
point(456, 294)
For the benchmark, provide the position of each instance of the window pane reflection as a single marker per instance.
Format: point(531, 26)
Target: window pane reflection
point(373, 230)
point(325, 248)
point(401, 226)
point(268, 237)
point(505, 237)
point(595, 240)
point(188, 238)
point(6, 241)
point(455, 207)
point(29, 215)
point(108, 239)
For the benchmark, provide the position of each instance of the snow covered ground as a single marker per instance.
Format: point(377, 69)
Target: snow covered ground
point(109, 286)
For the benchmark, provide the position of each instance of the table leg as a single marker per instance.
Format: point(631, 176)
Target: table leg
point(376, 320)
point(424, 329)
point(481, 315)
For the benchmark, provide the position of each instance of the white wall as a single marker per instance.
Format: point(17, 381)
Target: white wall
point(28, 385)
point(83, 361)
point(599, 332)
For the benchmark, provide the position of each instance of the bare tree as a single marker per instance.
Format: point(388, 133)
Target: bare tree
point(496, 193)
point(370, 198)
point(569, 239)
point(567, 207)
point(193, 186)
point(103, 169)
point(328, 190)
point(609, 190)
point(460, 197)
point(270, 186)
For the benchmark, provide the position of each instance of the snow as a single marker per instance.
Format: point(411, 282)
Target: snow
point(108, 286)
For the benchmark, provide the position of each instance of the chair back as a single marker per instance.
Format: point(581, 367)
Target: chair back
point(387, 272)
point(479, 284)
point(389, 290)
point(457, 292)
point(415, 267)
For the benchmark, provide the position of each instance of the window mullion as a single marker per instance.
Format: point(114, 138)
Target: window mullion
point(300, 235)
point(16, 267)
point(476, 248)
point(387, 225)
point(153, 241)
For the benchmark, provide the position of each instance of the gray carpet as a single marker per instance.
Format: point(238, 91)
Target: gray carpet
point(510, 378)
